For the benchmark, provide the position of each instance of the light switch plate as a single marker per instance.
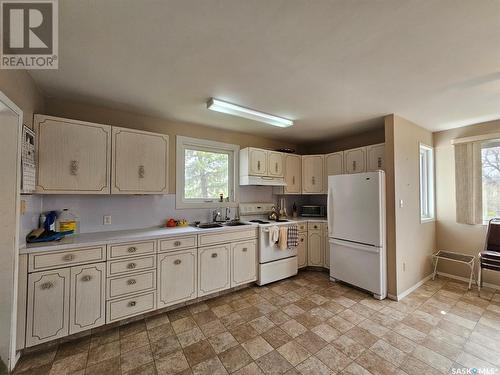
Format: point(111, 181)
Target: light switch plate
point(106, 220)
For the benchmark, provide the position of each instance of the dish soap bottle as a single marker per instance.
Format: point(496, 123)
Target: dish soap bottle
point(66, 221)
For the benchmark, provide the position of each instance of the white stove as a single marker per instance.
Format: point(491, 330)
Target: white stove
point(274, 264)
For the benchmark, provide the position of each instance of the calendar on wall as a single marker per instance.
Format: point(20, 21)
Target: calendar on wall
point(28, 161)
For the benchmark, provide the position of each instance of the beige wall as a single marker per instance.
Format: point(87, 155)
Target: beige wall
point(451, 235)
point(20, 88)
point(366, 138)
point(410, 242)
point(109, 116)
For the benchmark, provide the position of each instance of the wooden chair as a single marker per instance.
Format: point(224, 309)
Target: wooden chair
point(489, 259)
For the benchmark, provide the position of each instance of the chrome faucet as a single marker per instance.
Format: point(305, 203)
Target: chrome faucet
point(228, 213)
point(216, 215)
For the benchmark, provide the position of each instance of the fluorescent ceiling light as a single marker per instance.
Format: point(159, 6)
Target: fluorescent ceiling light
point(236, 110)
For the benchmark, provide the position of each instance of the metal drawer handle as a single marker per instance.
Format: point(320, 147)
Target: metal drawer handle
point(131, 266)
point(293, 180)
point(142, 171)
point(379, 162)
point(73, 169)
point(47, 285)
point(86, 278)
point(131, 282)
point(177, 243)
point(132, 249)
point(68, 257)
point(258, 165)
point(354, 165)
point(276, 167)
point(244, 249)
point(177, 262)
point(214, 255)
point(132, 303)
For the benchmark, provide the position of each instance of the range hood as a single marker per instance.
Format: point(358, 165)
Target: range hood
point(262, 181)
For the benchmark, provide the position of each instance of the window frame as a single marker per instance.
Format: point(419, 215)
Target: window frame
point(493, 142)
point(426, 187)
point(183, 143)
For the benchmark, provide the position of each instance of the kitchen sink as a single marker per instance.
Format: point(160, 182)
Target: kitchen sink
point(234, 223)
point(208, 225)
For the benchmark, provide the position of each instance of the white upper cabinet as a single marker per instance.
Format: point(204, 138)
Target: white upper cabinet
point(140, 162)
point(375, 157)
point(313, 174)
point(355, 160)
point(275, 164)
point(334, 163)
point(73, 157)
point(293, 174)
point(257, 162)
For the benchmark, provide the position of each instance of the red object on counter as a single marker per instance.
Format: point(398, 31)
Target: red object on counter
point(171, 223)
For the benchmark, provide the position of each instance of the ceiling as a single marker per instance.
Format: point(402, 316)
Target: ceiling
point(333, 66)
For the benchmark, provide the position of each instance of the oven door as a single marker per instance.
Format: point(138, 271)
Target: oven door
point(268, 252)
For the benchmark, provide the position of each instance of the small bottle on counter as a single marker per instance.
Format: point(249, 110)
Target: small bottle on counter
point(67, 221)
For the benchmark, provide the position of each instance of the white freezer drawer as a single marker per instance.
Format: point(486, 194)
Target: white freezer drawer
point(361, 265)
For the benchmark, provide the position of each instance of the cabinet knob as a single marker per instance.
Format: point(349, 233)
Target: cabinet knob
point(315, 227)
point(177, 243)
point(379, 162)
point(258, 165)
point(214, 255)
point(244, 249)
point(132, 249)
point(131, 266)
point(354, 165)
point(47, 285)
point(313, 180)
point(177, 262)
point(301, 240)
point(86, 278)
point(131, 282)
point(293, 180)
point(132, 303)
point(68, 257)
point(142, 171)
point(73, 168)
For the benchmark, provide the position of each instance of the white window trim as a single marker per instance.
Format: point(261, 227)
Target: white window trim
point(489, 142)
point(431, 186)
point(184, 142)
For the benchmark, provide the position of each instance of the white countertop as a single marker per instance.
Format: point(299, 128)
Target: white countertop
point(107, 238)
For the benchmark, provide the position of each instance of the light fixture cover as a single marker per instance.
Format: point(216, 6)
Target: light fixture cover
point(236, 110)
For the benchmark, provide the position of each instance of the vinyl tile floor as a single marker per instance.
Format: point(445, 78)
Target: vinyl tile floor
point(302, 325)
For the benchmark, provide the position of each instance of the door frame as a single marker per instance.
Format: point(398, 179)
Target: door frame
point(13, 356)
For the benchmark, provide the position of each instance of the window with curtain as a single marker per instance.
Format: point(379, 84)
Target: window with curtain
point(490, 167)
point(426, 183)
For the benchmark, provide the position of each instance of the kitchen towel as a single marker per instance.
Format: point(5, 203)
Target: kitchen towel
point(293, 236)
point(283, 238)
point(273, 235)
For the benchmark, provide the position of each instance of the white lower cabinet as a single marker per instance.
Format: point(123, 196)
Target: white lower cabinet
point(214, 269)
point(302, 250)
point(315, 248)
point(244, 262)
point(87, 297)
point(177, 277)
point(48, 306)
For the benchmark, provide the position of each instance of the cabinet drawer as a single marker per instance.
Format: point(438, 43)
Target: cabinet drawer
point(44, 261)
point(302, 227)
point(124, 266)
point(314, 226)
point(131, 249)
point(215, 238)
point(129, 284)
point(130, 306)
point(177, 243)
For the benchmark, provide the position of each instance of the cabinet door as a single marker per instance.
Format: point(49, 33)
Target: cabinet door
point(355, 160)
point(87, 298)
point(375, 157)
point(177, 277)
point(293, 175)
point(313, 174)
point(258, 161)
point(302, 250)
point(243, 263)
point(72, 156)
point(140, 162)
point(48, 306)
point(275, 164)
point(326, 247)
point(315, 248)
point(334, 163)
point(214, 263)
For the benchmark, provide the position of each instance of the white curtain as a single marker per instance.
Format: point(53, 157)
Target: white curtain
point(468, 183)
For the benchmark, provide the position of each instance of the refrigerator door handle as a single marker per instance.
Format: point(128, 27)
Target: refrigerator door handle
point(329, 203)
point(355, 245)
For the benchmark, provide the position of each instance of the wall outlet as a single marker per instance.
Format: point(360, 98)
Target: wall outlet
point(106, 220)
point(23, 206)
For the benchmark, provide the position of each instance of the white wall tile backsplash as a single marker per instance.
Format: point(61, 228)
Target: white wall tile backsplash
point(134, 211)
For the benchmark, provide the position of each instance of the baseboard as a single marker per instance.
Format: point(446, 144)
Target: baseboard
point(402, 295)
point(466, 279)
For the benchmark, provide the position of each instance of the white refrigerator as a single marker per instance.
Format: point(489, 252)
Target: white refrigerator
point(357, 231)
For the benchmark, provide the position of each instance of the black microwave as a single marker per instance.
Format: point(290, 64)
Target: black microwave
point(313, 211)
